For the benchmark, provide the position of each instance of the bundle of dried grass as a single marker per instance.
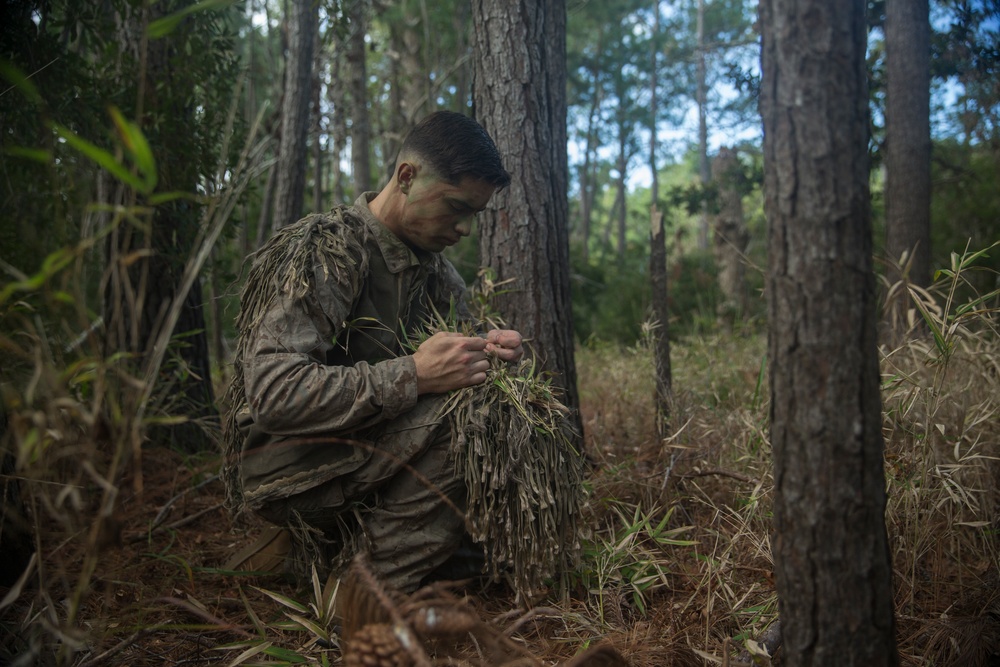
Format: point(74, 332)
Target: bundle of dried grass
point(513, 444)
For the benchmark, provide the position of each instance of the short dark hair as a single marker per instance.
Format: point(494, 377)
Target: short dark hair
point(455, 146)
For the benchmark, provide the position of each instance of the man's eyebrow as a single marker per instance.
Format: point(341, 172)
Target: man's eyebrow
point(466, 205)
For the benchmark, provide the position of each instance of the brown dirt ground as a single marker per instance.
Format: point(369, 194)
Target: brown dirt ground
point(157, 597)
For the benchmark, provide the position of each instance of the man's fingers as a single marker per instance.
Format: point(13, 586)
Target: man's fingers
point(505, 338)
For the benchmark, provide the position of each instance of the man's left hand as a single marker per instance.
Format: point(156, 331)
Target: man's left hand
point(505, 344)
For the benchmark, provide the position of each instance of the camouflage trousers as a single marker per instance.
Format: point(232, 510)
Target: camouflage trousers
point(404, 505)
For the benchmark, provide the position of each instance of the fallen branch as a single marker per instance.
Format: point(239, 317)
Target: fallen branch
point(180, 523)
point(162, 514)
point(205, 616)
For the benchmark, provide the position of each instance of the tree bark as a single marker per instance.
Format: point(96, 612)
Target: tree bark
point(908, 139)
point(701, 97)
point(337, 95)
point(730, 238)
point(621, 220)
point(292, 156)
point(520, 98)
point(832, 563)
point(317, 117)
point(358, 82)
point(587, 176)
point(658, 256)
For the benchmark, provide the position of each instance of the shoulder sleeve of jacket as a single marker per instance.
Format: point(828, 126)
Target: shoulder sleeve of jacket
point(290, 387)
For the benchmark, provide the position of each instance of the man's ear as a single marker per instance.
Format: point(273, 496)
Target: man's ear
point(405, 173)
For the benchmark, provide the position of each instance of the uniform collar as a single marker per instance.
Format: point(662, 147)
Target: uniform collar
point(398, 256)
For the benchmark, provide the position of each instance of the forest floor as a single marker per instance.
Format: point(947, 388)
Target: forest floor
point(676, 569)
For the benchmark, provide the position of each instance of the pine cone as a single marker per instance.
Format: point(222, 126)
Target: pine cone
point(376, 645)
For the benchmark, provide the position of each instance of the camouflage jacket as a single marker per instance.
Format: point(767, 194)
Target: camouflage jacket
point(326, 355)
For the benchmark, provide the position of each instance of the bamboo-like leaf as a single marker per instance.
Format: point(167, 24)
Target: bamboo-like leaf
point(104, 159)
point(308, 624)
point(166, 25)
point(285, 654)
point(284, 600)
point(247, 654)
point(35, 154)
point(19, 80)
point(135, 143)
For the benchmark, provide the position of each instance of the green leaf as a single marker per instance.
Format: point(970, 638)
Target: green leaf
point(972, 305)
point(164, 197)
point(285, 654)
point(135, 143)
point(19, 80)
point(939, 339)
point(36, 154)
point(104, 159)
point(166, 25)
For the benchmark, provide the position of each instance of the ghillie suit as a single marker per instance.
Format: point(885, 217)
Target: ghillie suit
point(283, 265)
point(511, 441)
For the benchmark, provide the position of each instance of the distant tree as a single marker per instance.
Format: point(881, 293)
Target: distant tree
point(658, 249)
point(357, 77)
point(289, 197)
point(701, 100)
point(831, 556)
point(520, 98)
point(967, 52)
point(908, 139)
point(730, 236)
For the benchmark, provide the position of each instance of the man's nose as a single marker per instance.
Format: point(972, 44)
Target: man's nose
point(464, 226)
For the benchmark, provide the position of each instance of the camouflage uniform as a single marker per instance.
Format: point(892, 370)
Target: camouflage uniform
point(335, 435)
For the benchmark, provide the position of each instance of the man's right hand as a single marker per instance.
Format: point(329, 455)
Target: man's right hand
point(448, 360)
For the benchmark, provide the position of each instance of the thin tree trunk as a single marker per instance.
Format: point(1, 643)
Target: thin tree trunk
point(291, 166)
point(658, 254)
point(265, 222)
point(317, 114)
point(701, 94)
point(587, 178)
point(358, 78)
point(832, 564)
point(730, 238)
point(337, 95)
point(908, 147)
point(622, 219)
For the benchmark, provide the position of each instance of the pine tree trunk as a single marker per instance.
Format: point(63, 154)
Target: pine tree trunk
point(730, 238)
point(317, 118)
point(908, 140)
point(701, 96)
point(658, 256)
point(520, 98)
point(831, 555)
point(622, 218)
point(289, 195)
point(338, 122)
point(358, 82)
